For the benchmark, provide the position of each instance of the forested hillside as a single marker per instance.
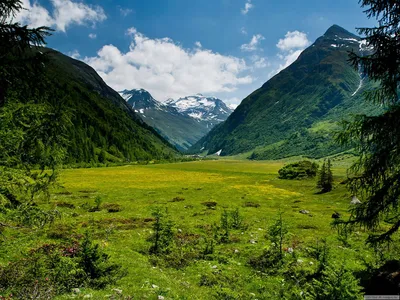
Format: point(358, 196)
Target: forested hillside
point(104, 127)
point(297, 111)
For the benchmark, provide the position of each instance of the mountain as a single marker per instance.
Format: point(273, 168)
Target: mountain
point(103, 123)
point(208, 110)
point(296, 111)
point(182, 122)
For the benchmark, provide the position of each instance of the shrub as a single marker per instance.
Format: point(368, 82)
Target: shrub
point(299, 170)
point(225, 226)
point(163, 235)
point(336, 284)
point(272, 256)
point(236, 219)
point(55, 269)
point(95, 264)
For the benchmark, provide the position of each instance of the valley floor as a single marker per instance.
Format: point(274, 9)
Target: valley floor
point(183, 189)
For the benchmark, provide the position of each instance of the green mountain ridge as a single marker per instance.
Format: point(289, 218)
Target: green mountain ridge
point(104, 127)
point(296, 111)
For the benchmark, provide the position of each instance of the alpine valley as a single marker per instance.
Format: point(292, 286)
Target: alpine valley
point(182, 122)
point(298, 110)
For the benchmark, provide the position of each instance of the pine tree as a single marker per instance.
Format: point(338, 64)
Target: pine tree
point(32, 125)
point(17, 63)
point(329, 177)
point(376, 175)
point(322, 177)
point(325, 181)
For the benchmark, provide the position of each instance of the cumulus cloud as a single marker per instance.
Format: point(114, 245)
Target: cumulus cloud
point(92, 36)
point(293, 40)
point(247, 7)
point(253, 44)
point(259, 62)
point(291, 46)
point(166, 69)
point(243, 31)
point(65, 13)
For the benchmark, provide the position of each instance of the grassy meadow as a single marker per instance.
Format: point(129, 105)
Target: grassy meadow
point(182, 189)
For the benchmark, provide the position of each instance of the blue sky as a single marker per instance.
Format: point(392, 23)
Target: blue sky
point(225, 48)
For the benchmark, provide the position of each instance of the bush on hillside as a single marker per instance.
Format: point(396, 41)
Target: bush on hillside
point(299, 170)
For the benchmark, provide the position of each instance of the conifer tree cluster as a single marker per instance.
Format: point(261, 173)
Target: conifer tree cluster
point(325, 181)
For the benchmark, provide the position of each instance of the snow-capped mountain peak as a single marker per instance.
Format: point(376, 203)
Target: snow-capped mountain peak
point(206, 111)
point(202, 108)
point(140, 100)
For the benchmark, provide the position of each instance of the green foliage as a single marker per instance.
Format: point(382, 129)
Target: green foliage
point(98, 202)
point(18, 66)
point(299, 170)
point(273, 256)
point(33, 125)
point(336, 284)
point(277, 234)
point(230, 220)
point(325, 180)
point(52, 270)
point(95, 264)
point(320, 252)
point(163, 234)
point(209, 248)
point(225, 226)
point(236, 219)
point(375, 176)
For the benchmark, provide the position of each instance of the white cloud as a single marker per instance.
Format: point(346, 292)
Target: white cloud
point(166, 69)
point(243, 31)
point(293, 40)
point(259, 62)
point(131, 31)
point(125, 11)
point(290, 48)
point(198, 45)
point(65, 13)
point(74, 54)
point(253, 44)
point(247, 7)
point(92, 36)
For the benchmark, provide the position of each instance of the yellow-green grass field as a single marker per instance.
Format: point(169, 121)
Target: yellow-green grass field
point(231, 184)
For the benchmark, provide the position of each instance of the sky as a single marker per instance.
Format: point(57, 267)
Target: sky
point(176, 48)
